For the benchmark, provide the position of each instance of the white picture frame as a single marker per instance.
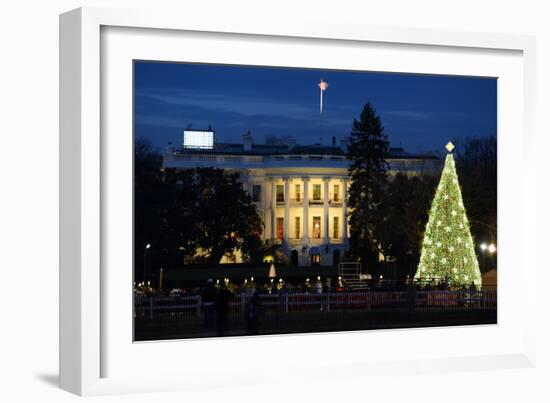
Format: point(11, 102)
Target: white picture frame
point(89, 309)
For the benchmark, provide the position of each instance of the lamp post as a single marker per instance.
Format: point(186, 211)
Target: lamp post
point(147, 247)
point(487, 250)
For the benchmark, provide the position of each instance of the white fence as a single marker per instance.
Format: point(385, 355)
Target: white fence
point(191, 306)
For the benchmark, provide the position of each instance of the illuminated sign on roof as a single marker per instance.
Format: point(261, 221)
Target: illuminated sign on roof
point(198, 139)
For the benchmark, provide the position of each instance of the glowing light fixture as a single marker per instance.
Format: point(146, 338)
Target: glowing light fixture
point(198, 139)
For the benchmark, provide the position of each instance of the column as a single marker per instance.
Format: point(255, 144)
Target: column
point(325, 209)
point(305, 218)
point(345, 209)
point(287, 208)
point(273, 208)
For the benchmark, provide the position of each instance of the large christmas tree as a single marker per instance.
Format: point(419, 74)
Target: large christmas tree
point(448, 253)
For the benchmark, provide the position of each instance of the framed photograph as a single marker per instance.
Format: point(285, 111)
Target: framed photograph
point(289, 200)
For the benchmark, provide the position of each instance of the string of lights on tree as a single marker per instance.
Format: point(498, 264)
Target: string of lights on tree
point(448, 253)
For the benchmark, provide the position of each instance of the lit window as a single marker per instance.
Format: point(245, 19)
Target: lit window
point(316, 192)
point(280, 193)
point(297, 227)
point(335, 228)
point(316, 227)
point(297, 191)
point(280, 227)
point(336, 196)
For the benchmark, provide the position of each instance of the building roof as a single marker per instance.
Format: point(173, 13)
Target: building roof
point(285, 149)
point(238, 149)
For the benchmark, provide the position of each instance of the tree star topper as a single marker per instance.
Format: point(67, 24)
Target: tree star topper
point(450, 146)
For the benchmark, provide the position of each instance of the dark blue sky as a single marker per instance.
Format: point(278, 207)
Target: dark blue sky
point(419, 112)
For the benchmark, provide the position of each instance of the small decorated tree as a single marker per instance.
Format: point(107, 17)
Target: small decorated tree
point(448, 253)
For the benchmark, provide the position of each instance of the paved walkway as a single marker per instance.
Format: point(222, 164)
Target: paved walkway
point(314, 321)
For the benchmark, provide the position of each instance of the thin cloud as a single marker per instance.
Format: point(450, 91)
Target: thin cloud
point(245, 106)
point(410, 114)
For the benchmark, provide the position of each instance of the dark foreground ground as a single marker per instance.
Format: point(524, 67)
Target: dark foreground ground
point(169, 327)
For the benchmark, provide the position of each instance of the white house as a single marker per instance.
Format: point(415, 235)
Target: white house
point(300, 191)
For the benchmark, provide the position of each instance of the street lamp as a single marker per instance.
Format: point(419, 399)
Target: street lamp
point(491, 248)
point(487, 252)
point(147, 247)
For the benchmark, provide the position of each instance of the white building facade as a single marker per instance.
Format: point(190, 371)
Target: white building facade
point(299, 192)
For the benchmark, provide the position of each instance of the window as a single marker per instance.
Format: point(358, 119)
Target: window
point(336, 193)
point(316, 192)
point(297, 191)
point(335, 228)
point(256, 193)
point(316, 227)
point(280, 227)
point(280, 192)
point(297, 227)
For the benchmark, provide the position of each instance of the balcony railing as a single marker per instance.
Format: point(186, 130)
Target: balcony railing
point(311, 202)
point(253, 158)
point(420, 164)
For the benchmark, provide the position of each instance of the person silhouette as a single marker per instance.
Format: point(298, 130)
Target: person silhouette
point(253, 312)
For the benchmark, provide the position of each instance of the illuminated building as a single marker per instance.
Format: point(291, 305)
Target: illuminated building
point(300, 191)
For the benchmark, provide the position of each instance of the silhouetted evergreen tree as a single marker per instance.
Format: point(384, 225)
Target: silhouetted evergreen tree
point(368, 151)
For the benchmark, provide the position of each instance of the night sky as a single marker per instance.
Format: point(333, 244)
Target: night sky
point(420, 113)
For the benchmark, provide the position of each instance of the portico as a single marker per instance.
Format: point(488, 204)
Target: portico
point(308, 210)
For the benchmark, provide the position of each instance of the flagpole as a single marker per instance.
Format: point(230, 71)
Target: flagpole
point(323, 85)
point(321, 117)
